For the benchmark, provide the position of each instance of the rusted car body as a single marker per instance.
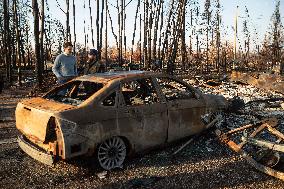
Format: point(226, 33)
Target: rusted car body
point(112, 114)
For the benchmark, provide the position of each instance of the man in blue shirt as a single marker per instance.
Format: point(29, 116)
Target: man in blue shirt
point(64, 66)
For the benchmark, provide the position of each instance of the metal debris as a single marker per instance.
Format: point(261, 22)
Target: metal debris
point(265, 154)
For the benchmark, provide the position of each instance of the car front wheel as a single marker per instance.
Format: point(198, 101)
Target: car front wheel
point(111, 153)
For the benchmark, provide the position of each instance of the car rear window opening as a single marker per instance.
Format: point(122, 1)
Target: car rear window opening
point(74, 93)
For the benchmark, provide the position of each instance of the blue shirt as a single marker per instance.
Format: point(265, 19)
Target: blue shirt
point(65, 65)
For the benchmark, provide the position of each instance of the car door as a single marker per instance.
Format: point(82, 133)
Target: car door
point(141, 114)
point(184, 108)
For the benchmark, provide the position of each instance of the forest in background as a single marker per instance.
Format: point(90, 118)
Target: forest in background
point(168, 35)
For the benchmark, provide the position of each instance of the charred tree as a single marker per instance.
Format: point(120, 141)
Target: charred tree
point(68, 33)
point(18, 42)
point(247, 36)
point(37, 43)
point(98, 28)
point(106, 30)
point(91, 20)
point(74, 27)
point(7, 49)
point(207, 17)
point(42, 31)
point(101, 28)
point(134, 32)
point(275, 36)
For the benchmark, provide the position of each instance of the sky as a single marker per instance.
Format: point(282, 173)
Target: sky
point(260, 12)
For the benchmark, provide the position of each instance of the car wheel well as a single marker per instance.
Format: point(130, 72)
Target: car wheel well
point(127, 143)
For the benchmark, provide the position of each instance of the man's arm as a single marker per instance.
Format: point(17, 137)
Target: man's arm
point(56, 67)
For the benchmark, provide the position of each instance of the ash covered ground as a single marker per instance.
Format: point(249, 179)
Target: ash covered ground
point(205, 163)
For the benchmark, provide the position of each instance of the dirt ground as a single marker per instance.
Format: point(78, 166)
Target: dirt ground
point(206, 163)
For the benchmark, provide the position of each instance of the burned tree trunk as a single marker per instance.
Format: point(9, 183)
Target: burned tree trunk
point(106, 36)
point(115, 36)
point(74, 27)
point(167, 32)
point(157, 18)
point(149, 35)
point(91, 19)
point(37, 44)
point(18, 52)
point(161, 28)
point(7, 49)
point(218, 36)
point(68, 34)
point(42, 36)
point(146, 27)
point(101, 28)
point(98, 28)
point(134, 32)
point(183, 45)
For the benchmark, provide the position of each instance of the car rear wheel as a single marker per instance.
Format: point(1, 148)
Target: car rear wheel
point(111, 153)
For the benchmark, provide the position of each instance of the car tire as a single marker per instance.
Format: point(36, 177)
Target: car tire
point(111, 153)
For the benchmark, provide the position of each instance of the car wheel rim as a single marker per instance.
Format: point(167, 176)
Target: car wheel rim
point(112, 153)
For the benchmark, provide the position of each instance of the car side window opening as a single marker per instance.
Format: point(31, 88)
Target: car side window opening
point(74, 93)
point(174, 90)
point(109, 100)
point(139, 92)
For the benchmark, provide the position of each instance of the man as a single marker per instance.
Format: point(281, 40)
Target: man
point(93, 64)
point(64, 66)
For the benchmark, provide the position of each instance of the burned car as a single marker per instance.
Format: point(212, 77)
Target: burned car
point(112, 115)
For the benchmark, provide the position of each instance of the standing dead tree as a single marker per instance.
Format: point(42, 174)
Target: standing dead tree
point(7, 49)
point(74, 27)
point(275, 36)
point(42, 32)
point(91, 20)
point(37, 43)
point(218, 34)
point(167, 32)
point(101, 28)
point(106, 30)
point(134, 32)
point(17, 31)
point(156, 28)
point(247, 36)
point(207, 17)
point(98, 28)
point(67, 13)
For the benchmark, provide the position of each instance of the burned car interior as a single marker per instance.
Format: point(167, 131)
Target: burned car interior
point(139, 92)
point(173, 89)
point(75, 92)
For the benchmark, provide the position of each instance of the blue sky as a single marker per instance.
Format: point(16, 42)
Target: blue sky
point(260, 13)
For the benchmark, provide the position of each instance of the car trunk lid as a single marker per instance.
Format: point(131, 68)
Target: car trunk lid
point(32, 116)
